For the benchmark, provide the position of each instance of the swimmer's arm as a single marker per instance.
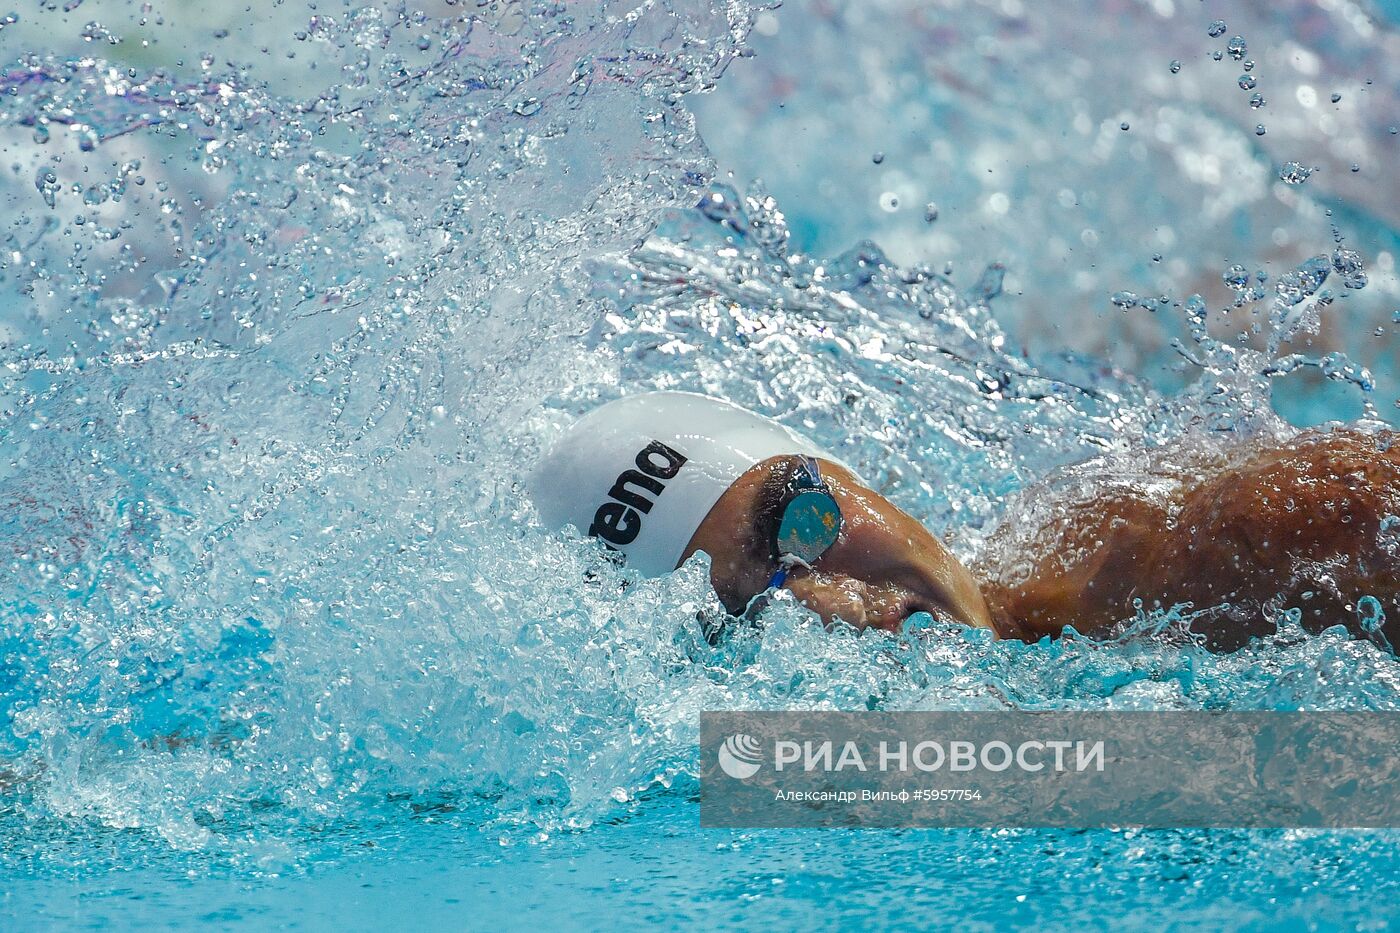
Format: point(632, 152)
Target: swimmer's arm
point(1086, 569)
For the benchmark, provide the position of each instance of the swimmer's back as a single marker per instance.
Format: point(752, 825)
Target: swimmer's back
point(1292, 526)
point(1300, 525)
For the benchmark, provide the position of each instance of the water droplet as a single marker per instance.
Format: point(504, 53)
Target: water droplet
point(1347, 263)
point(1217, 55)
point(1355, 167)
point(1303, 282)
point(1237, 48)
point(1257, 101)
point(1369, 611)
point(1217, 29)
point(1294, 173)
point(1248, 82)
point(1175, 66)
point(1389, 537)
point(1123, 126)
point(889, 202)
point(1236, 277)
point(86, 136)
point(1336, 98)
point(528, 107)
point(424, 43)
point(47, 183)
point(1156, 257)
point(1123, 300)
point(1249, 65)
point(1258, 129)
point(930, 212)
point(1196, 312)
point(877, 158)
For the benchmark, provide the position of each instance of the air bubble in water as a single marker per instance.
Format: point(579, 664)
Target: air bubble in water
point(1124, 299)
point(1175, 66)
point(1257, 101)
point(1217, 29)
point(1248, 82)
point(1237, 48)
point(1294, 173)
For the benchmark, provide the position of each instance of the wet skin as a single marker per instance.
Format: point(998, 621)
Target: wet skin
point(884, 566)
point(1291, 526)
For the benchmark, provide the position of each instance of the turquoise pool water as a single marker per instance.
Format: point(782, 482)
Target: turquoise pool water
point(290, 303)
point(657, 868)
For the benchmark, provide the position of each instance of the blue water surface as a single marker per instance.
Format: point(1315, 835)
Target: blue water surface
point(291, 303)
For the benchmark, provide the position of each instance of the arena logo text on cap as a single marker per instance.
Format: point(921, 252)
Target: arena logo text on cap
point(619, 520)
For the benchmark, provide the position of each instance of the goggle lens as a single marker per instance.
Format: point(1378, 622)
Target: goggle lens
point(810, 525)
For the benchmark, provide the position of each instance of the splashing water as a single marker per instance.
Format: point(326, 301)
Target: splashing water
point(281, 343)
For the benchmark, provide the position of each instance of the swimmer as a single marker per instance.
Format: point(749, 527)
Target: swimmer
point(660, 476)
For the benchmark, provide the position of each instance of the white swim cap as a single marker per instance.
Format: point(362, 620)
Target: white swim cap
point(642, 472)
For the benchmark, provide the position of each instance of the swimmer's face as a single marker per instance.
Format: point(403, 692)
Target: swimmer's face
point(884, 566)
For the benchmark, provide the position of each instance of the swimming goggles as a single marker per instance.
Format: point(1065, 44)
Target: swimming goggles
point(810, 524)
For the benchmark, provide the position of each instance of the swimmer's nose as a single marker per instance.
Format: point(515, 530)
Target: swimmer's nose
point(856, 602)
point(830, 597)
